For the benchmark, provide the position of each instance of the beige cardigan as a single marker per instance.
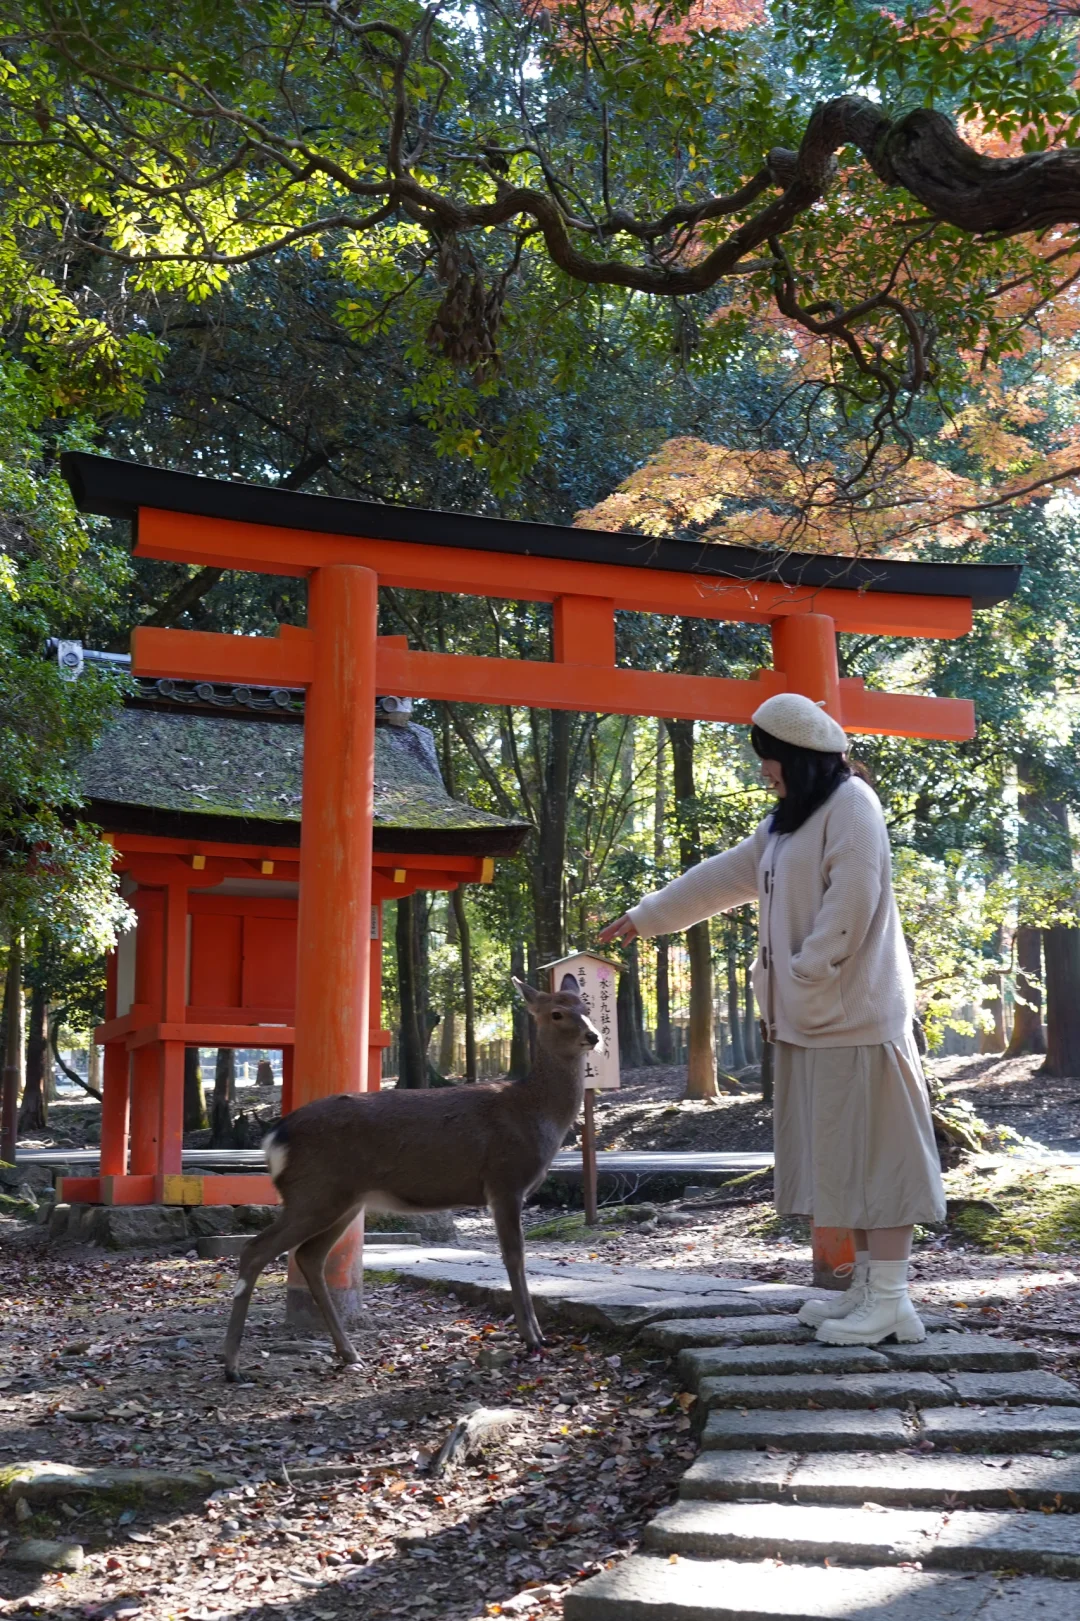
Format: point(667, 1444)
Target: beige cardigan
point(832, 968)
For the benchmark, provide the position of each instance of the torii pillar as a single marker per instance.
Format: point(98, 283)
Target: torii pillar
point(804, 649)
point(334, 927)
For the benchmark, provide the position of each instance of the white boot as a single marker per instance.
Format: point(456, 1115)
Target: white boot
point(886, 1311)
point(841, 1304)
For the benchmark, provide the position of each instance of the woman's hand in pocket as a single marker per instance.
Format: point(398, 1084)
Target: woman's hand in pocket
point(624, 929)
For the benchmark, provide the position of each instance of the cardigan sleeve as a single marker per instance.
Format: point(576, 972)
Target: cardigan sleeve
point(712, 886)
point(852, 869)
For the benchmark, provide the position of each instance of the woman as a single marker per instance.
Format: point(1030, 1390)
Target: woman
point(851, 1119)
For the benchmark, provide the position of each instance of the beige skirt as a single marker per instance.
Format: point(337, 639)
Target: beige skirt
point(853, 1136)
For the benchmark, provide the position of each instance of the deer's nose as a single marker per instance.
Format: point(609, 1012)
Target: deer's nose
point(593, 1038)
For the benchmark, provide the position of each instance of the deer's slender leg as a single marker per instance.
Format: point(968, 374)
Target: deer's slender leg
point(310, 1258)
point(288, 1230)
point(506, 1209)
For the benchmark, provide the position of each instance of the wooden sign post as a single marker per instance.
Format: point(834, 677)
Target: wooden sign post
point(598, 984)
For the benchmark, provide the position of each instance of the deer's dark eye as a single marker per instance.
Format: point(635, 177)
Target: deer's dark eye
point(556, 1015)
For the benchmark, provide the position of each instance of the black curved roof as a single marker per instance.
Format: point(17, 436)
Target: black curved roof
point(117, 489)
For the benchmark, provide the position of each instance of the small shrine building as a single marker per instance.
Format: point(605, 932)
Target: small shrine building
point(197, 786)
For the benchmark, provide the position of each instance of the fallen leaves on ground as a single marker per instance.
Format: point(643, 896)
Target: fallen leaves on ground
point(116, 1360)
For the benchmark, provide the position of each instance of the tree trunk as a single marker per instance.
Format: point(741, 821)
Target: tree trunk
point(992, 1039)
point(766, 1068)
point(13, 1052)
point(1061, 957)
point(633, 1049)
point(412, 1065)
point(665, 1046)
point(221, 1120)
point(1028, 1033)
point(194, 1096)
point(93, 1071)
point(448, 1038)
point(519, 1028)
point(739, 1059)
point(464, 927)
point(33, 1114)
point(1062, 949)
point(701, 1055)
point(751, 1023)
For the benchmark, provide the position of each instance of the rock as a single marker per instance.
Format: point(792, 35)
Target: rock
point(38, 1553)
point(126, 1227)
point(23, 1511)
point(792, 1532)
point(211, 1220)
point(1035, 1387)
point(59, 1216)
point(43, 1482)
point(1002, 1429)
point(941, 1353)
point(435, 1226)
point(806, 1431)
point(675, 1333)
point(825, 1390)
point(492, 1357)
point(476, 1429)
point(645, 1588)
point(252, 1218)
point(1044, 1545)
point(14, 1178)
point(388, 1241)
point(716, 1361)
point(910, 1481)
point(225, 1246)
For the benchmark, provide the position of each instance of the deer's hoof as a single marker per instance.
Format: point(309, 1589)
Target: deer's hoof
point(232, 1376)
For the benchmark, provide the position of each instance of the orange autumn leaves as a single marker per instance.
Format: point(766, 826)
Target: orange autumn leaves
point(768, 499)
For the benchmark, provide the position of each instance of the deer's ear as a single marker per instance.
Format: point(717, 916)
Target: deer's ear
point(570, 985)
point(530, 994)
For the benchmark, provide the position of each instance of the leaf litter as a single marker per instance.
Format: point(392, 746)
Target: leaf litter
point(551, 1464)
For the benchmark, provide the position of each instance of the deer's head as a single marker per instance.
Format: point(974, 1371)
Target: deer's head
point(563, 1026)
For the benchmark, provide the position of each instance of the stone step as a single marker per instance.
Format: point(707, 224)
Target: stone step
point(799, 1390)
point(757, 1327)
point(941, 1353)
point(804, 1430)
point(901, 1479)
point(675, 1334)
point(1034, 1387)
point(1017, 1429)
point(650, 1588)
point(719, 1361)
point(1038, 1544)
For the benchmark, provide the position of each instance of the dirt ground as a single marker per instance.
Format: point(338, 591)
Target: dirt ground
point(334, 1512)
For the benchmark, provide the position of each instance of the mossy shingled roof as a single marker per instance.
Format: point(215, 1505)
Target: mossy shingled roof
point(203, 769)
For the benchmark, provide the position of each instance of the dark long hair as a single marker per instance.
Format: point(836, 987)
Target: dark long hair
point(810, 778)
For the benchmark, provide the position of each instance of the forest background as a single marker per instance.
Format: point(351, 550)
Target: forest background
point(515, 259)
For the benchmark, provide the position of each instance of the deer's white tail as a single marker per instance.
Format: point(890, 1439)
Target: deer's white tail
point(277, 1154)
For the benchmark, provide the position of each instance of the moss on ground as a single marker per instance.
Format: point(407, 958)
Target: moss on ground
point(1015, 1209)
point(612, 1224)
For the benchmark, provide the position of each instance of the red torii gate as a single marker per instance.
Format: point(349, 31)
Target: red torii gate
point(346, 549)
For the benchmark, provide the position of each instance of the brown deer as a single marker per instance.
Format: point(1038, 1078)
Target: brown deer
point(419, 1150)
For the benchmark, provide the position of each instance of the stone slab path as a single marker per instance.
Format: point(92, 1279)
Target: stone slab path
point(933, 1482)
point(930, 1482)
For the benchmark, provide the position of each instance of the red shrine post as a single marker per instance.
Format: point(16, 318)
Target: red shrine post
point(347, 548)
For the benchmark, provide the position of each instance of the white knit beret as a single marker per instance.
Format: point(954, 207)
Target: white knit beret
point(795, 719)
